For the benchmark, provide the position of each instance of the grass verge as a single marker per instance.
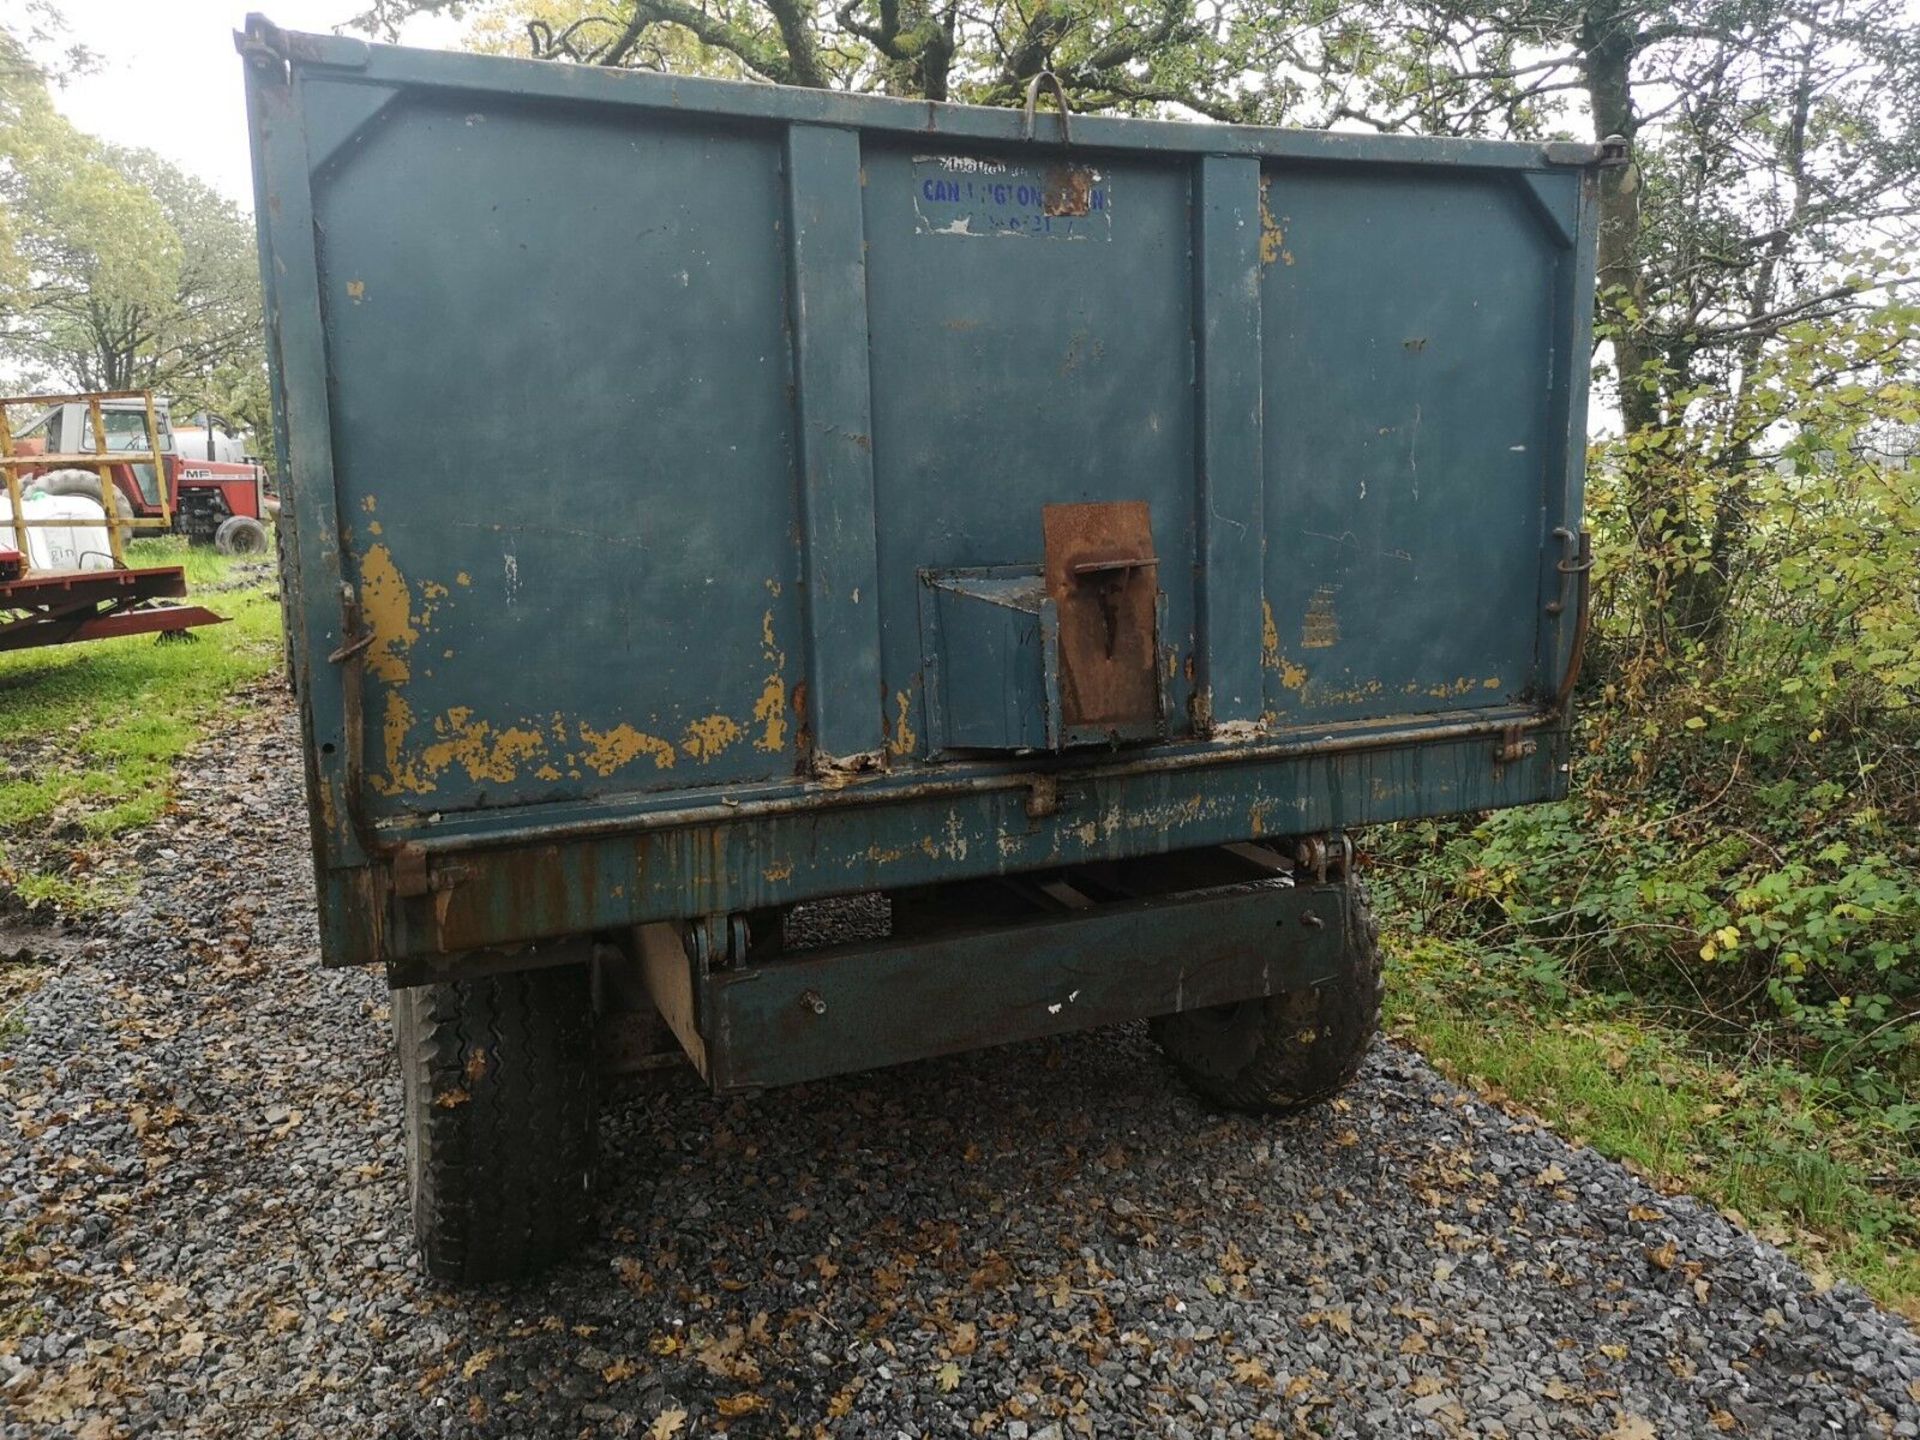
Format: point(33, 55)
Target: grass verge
point(1759, 1142)
point(89, 732)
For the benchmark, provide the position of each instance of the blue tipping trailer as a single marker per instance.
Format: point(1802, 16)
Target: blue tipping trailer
point(706, 502)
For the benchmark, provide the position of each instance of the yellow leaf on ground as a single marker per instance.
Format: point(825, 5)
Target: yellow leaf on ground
point(1631, 1427)
point(1665, 1255)
point(621, 1369)
point(476, 1363)
point(949, 1376)
point(745, 1403)
point(667, 1424)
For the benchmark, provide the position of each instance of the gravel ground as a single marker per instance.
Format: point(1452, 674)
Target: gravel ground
point(203, 1206)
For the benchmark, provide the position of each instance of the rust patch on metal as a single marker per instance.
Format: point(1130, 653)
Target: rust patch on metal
point(1068, 190)
point(1101, 575)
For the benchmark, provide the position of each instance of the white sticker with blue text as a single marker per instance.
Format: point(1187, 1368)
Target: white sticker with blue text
point(961, 195)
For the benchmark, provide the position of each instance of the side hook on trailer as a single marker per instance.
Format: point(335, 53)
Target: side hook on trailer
point(1052, 82)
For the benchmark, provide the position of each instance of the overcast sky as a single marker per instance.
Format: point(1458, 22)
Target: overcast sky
point(169, 79)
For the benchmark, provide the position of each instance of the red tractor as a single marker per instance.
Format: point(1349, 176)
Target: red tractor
point(224, 503)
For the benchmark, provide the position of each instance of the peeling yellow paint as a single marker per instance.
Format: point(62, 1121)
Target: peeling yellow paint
point(387, 605)
point(770, 710)
point(1269, 638)
point(374, 528)
point(463, 578)
point(434, 590)
point(777, 872)
point(396, 720)
point(477, 748)
point(708, 736)
point(1492, 682)
point(608, 750)
point(368, 504)
point(883, 856)
point(1272, 236)
point(547, 772)
point(903, 739)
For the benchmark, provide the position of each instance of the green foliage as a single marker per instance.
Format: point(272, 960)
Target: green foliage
point(1742, 845)
point(90, 732)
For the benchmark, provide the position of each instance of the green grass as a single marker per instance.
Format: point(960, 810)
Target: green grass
point(1757, 1141)
point(89, 732)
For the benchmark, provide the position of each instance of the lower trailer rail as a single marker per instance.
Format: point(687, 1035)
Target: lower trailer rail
point(858, 1006)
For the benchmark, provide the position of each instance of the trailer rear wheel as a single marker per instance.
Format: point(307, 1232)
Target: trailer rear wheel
point(1290, 1050)
point(497, 1086)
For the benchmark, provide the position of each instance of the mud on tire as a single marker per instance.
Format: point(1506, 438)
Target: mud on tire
point(498, 1090)
point(1292, 1049)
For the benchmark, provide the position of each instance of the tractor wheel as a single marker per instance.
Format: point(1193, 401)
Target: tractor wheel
point(1290, 1050)
point(241, 535)
point(84, 484)
point(498, 1087)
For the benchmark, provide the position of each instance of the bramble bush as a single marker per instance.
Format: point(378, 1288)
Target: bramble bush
point(1742, 841)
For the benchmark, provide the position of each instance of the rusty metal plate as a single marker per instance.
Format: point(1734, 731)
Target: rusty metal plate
point(1102, 576)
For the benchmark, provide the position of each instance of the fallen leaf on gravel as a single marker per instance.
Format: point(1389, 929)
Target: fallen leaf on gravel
point(745, 1403)
point(1631, 1427)
point(1722, 1420)
point(949, 1376)
point(98, 1428)
point(1251, 1372)
point(280, 1320)
point(1701, 1289)
point(447, 1099)
point(1552, 1175)
point(476, 1363)
point(1665, 1255)
point(1614, 1352)
point(621, 1369)
point(192, 1344)
point(965, 1338)
point(1340, 1320)
point(666, 1425)
point(1644, 1213)
point(284, 1129)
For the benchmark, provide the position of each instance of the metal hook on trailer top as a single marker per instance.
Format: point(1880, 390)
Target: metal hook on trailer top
point(1048, 78)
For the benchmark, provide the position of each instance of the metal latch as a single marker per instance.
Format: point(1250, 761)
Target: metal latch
point(1515, 744)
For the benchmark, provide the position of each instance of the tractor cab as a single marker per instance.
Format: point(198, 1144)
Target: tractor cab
point(220, 502)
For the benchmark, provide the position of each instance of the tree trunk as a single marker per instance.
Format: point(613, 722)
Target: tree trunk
point(1607, 45)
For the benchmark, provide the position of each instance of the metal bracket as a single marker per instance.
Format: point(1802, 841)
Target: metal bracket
point(1052, 82)
point(411, 877)
point(1515, 744)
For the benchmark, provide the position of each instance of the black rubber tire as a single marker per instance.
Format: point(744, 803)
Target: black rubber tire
point(498, 1091)
point(1291, 1050)
point(241, 535)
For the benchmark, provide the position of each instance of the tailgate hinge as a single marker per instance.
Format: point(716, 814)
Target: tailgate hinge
point(410, 876)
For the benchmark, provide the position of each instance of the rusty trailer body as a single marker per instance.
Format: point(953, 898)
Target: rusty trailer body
point(830, 495)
